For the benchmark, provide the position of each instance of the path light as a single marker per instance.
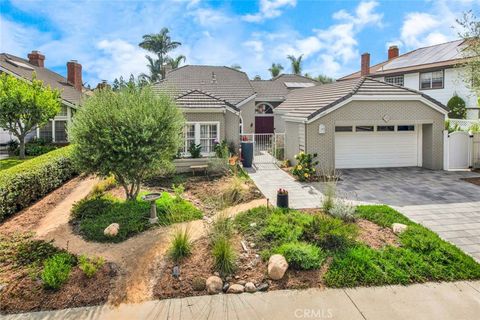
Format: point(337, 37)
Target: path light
point(152, 197)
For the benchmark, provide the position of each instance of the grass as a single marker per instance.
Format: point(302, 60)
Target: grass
point(94, 214)
point(181, 246)
point(306, 240)
point(11, 162)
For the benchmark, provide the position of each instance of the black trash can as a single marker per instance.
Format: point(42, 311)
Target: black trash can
point(247, 154)
point(282, 198)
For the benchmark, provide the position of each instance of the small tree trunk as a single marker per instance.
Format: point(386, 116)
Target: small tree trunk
point(22, 147)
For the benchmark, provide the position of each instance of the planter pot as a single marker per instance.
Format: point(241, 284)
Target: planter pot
point(247, 154)
point(282, 200)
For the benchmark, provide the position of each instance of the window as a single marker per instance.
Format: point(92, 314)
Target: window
point(60, 131)
point(409, 127)
point(46, 132)
point(385, 128)
point(63, 112)
point(398, 80)
point(343, 129)
point(263, 108)
point(203, 133)
point(364, 128)
point(431, 80)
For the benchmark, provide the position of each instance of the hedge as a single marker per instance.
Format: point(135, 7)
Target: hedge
point(31, 180)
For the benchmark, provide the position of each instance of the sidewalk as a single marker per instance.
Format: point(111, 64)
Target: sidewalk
point(457, 300)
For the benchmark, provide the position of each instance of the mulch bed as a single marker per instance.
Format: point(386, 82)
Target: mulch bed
point(475, 181)
point(376, 236)
point(27, 294)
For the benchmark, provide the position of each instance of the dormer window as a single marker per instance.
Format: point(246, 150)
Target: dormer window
point(431, 80)
point(398, 80)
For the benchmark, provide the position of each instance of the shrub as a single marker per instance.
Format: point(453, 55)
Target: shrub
point(34, 251)
point(251, 222)
point(328, 196)
point(195, 150)
point(285, 226)
point(330, 233)
point(218, 166)
point(301, 255)
point(90, 266)
point(104, 185)
point(457, 108)
point(181, 245)
point(37, 147)
point(474, 128)
point(178, 190)
point(222, 227)
point(223, 256)
point(222, 150)
point(343, 209)
point(56, 270)
point(29, 181)
point(305, 170)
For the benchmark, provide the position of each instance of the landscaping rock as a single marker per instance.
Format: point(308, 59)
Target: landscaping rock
point(214, 285)
point(216, 274)
point(236, 288)
point(399, 228)
point(277, 265)
point(176, 271)
point(198, 284)
point(250, 287)
point(2, 286)
point(111, 230)
point(253, 224)
point(242, 282)
point(225, 287)
point(263, 287)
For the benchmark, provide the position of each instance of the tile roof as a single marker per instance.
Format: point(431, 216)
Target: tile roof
point(23, 69)
point(309, 102)
point(276, 89)
point(199, 99)
point(440, 55)
point(224, 83)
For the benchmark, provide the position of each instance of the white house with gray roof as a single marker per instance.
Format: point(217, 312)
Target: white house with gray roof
point(435, 70)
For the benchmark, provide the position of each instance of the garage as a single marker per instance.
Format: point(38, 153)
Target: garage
point(376, 146)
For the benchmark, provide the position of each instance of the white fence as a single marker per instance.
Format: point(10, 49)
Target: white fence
point(268, 147)
point(462, 150)
point(463, 124)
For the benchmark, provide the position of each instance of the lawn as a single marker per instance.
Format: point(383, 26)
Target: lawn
point(93, 214)
point(10, 162)
point(308, 240)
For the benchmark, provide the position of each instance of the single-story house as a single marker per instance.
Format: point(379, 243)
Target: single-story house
point(364, 123)
point(71, 90)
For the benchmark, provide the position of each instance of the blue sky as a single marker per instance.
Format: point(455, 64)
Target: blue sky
point(104, 35)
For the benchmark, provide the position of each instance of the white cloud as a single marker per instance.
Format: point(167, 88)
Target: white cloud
point(269, 9)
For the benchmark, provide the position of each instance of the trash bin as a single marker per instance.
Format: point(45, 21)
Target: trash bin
point(247, 154)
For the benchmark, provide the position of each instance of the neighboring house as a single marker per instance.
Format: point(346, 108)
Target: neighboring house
point(364, 123)
point(435, 70)
point(71, 91)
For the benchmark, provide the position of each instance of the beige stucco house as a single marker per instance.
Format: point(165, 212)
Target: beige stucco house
point(364, 123)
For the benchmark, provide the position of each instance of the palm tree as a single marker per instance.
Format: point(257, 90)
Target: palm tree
point(155, 69)
point(275, 69)
point(323, 79)
point(175, 62)
point(296, 63)
point(159, 43)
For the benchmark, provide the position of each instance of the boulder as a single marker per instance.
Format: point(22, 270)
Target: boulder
point(214, 285)
point(399, 228)
point(250, 287)
point(277, 265)
point(111, 230)
point(236, 288)
point(262, 287)
point(242, 282)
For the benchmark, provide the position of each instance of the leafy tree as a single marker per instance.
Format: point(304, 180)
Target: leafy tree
point(471, 34)
point(25, 105)
point(457, 108)
point(175, 62)
point(275, 69)
point(128, 134)
point(160, 44)
point(236, 66)
point(257, 77)
point(296, 63)
point(132, 83)
point(323, 79)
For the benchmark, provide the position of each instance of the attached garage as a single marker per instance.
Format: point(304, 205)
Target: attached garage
point(364, 123)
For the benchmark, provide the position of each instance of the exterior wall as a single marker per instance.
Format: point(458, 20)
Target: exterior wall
point(232, 128)
point(427, 152)
point(207, 117)
point(371, 113)
point(5, 136)
point(183, 165)
point(291, 140)
point(279, 123)
point(453, 83)
point(247, 111)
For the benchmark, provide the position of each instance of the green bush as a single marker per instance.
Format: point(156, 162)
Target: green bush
point(37, 147)
point(56, 270)
point(330, 233)
point(285, 226)
point(34, 251)
point(29, 181)
point(221, 150)
point(457, 108)
point(224, 256)
point(301, 255)
point(90, 266)
point(305, 170)
point(195, 150)
point(181, 245)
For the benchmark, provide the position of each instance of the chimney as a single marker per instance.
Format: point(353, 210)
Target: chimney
point(102, 85)
point(365, 66)
point(36, 58)
point(74, 74)
point(392, 52)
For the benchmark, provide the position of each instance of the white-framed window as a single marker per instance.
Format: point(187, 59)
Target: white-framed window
point(205, 134)
point(431, 80)
point(398, 80)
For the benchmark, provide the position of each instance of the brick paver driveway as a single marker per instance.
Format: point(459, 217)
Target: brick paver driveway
point(439, 200)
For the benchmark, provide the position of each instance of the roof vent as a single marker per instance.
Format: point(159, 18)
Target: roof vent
point(214, 78)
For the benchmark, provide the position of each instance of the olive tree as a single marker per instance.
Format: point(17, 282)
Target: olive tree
point(24, 105)
point(127, 133)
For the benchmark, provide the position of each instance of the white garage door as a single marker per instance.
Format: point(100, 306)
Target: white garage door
point(376, 146)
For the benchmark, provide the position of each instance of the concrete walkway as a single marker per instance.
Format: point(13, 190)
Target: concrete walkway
point(458, 300)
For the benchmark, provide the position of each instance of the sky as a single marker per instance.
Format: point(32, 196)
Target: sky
point(103, 35)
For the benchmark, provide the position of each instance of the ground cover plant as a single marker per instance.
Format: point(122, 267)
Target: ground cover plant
point(10, 162)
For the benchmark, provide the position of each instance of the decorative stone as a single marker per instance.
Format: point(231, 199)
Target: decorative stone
point(399, 228)
point(236, 288)
point(252, 245)
point(111, 230)
point(176, 271)
point(250, 287)
point(216, 274)
point(214, 285)
point(198, 284)
point(263, 287)
point(253, 224)
point(242, 282)
point(225, 287)
point(2, 286)
point(277, 265)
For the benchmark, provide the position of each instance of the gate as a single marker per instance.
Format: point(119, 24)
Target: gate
point(458, 150)
point(267, 147)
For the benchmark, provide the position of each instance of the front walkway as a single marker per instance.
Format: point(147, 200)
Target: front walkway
point(436, 301)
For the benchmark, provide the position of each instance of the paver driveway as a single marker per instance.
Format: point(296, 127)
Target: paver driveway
point(439, 200)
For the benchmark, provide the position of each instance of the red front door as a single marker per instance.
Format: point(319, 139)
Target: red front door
point(264, 124)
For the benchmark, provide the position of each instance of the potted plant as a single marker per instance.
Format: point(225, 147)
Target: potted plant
point(247, 152)
point(282, 198)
